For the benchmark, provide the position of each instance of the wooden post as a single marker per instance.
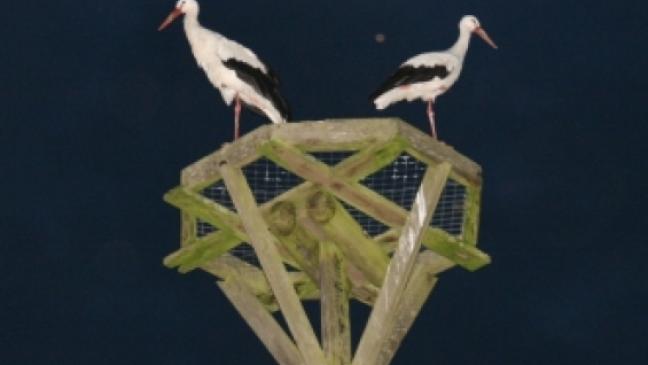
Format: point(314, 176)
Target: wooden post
point(401, 264)
point(262, 323)
point(336, 331)
point(418, 289)
point(265, 246)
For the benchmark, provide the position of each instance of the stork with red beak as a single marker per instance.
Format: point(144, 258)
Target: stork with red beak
point(233, 69)
point(429, 75)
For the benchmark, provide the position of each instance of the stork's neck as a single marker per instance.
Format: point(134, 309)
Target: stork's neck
point(460, 47)
point(190, 21)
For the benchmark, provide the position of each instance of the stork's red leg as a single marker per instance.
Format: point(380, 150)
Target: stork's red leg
point(430, 113)
point(237, 117)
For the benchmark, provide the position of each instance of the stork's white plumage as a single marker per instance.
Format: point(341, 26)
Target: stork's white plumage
point(234, 69)
point(429, 75)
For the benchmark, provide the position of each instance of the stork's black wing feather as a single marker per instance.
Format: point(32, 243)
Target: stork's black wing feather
point(265, 84)
point(408, 74)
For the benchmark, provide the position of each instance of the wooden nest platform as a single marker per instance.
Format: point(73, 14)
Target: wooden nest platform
point(364, 209)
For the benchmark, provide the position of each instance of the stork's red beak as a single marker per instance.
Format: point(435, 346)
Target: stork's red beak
point(482, 33)
point(169, 19)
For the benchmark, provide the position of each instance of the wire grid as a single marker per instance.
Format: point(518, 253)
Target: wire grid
point(218, 193)
point(449, 213)
point(267, 180)
point(203, 228)
point(332, 158)
point(245, 252)
point(400, 181)
point(371, 226)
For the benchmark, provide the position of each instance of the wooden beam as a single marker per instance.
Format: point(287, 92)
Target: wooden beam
point(265, 246)
point(199, 250)
point(337, 134)
point(371, 203)
point(435, 151)
point(336, 331)
point(205, 209)
point(333, 134)
point(361, 289)
point(472, 207)
point(215, 214)
point(402, 262)
point(204, 172)
point(356, 246)
point(227, 266)
point(262, 322)
point(418, 289)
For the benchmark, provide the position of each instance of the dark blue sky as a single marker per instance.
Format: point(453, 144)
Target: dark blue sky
point(100, 112)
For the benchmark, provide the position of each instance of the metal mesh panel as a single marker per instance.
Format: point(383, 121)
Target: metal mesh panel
point(332, 158)
point(267, 180)
point(218, 193)
point(245, 252)
point(398, 182)
point(449, 214)
point(371, 226)
point(203, 228)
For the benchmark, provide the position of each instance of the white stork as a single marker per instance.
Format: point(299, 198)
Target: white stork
point(235, 70)
point(429, 75)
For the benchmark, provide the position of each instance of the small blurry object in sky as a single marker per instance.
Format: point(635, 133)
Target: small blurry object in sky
point(380, 38)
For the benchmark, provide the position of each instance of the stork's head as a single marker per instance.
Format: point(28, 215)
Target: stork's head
point(471, 24)
point(182, 7)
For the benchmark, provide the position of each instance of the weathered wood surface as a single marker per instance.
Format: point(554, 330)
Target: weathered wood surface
point(205, 171)
point(265, 246)
point(471, 215)
point(360, 250)
point(435, 151)
point(336, 330)
point(227, 266)
point(400, 267)
point(211, 212)
point(200, 250)
point(262, 322)
point(361, 288)
point(341, 134)
point(337, 134)
point(371, 203)
point(418, 289)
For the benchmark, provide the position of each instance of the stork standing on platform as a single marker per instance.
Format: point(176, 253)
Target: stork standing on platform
point(235, 70)
point(429, 75)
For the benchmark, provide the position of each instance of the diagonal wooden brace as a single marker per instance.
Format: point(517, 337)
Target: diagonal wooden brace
point(263, 324)
point(400, 267)
point(265, 246)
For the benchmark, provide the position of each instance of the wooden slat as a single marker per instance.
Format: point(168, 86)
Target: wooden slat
point(356, 246)
point(215, 214)
point(205, 209)
point(204, 172)
point(402, 262)
point(199, 250)
point(371, 203)
point(338, 134)
point(336, 331)
point(361, 289)
point(227, 266)
point(471, 215)
point(265, 246)
point(262, 322)
point(419, 286)
point(187, 228)
point(436, 151)
point(333, 134)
